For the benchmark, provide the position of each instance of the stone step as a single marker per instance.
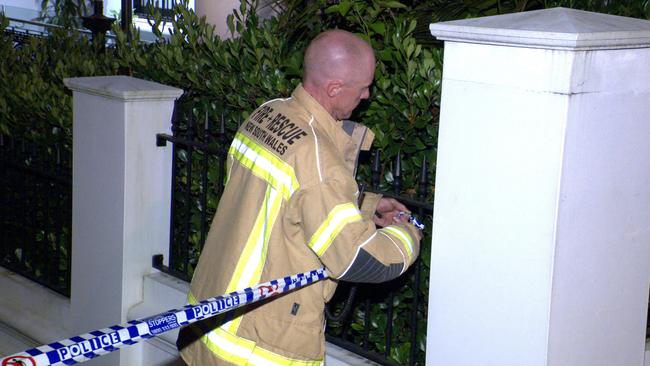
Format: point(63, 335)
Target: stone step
point(13, 341)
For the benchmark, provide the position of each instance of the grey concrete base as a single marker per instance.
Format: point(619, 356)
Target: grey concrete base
point(161, 292)
point(13, 341)
point(337, 356)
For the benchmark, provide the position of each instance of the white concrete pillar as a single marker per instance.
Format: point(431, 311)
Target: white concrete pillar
point(120, 200)
point(25, 4)
point(541, 244)
point(216, 13)
point(112, 7)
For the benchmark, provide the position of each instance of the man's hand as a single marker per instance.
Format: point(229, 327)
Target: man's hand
point(387, 212)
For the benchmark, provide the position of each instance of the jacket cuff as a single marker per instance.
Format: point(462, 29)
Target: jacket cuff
point(415, 232)
point(369, 204)
point(416, 236)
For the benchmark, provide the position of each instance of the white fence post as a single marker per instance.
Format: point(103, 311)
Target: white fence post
point(541, 245)
point(121, 198)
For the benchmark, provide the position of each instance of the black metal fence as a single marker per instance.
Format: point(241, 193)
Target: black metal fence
point(198, 173)
point(36, 210)
point(384, 323)
point(24, 31)
point(165, 7)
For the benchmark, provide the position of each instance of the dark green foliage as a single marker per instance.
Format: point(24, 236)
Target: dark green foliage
point(33, 97)
point(402, 110)
point(628, 8)
point(66, 13)
point(35, 214)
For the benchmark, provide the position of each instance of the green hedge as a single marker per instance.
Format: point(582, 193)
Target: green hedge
point(236, 74)
point(264, 62)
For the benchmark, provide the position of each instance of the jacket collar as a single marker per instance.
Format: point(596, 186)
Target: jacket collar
point(322, 119)
point(348, 137)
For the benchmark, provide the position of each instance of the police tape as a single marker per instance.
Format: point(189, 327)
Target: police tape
point(100, 342)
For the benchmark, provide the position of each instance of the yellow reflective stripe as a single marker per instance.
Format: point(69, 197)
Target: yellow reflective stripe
point(264, 164)
point(254, 254)
point(403, 237)
point(265, 357)
point(340, 216)
point(242, 351)
point(230, 162)
point(228, 346)
point(191, 299)
point(251, 262)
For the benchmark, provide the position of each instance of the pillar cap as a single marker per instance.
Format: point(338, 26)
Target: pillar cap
point(555, 28)
point(123, 88)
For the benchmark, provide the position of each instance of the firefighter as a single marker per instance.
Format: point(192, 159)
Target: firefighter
point(289, 206)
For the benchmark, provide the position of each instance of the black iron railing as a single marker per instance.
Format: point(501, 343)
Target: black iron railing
point(36, 210)
point(386, 322)
point(144, 8)
point(21, 31)
point(198, 173)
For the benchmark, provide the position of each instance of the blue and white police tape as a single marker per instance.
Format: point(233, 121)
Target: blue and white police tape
point(100, 342)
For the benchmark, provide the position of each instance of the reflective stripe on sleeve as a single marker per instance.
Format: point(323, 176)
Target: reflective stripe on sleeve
point(403, 236)
point(340, 216)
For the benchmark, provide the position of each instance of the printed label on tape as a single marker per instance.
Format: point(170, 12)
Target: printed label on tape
point(162, 323)
point(18, 361)
point(201, 310)
point(87, 346)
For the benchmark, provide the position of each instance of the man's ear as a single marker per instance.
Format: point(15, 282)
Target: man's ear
point(333, 88)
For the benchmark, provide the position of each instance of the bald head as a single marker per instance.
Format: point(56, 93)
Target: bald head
point(338, 70)
point(335, 54)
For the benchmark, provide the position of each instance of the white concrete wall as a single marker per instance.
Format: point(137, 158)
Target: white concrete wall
point(20, 9)
point(26, 4)
point(112, 7)
point(216, 13)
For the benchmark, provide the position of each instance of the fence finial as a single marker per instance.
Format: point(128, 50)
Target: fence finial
point(376, 167)
point(397, 174)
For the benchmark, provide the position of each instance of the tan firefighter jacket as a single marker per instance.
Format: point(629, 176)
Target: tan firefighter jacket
point(289, 206)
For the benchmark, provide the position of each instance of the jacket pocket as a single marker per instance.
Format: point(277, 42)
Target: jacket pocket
point(291, 338)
